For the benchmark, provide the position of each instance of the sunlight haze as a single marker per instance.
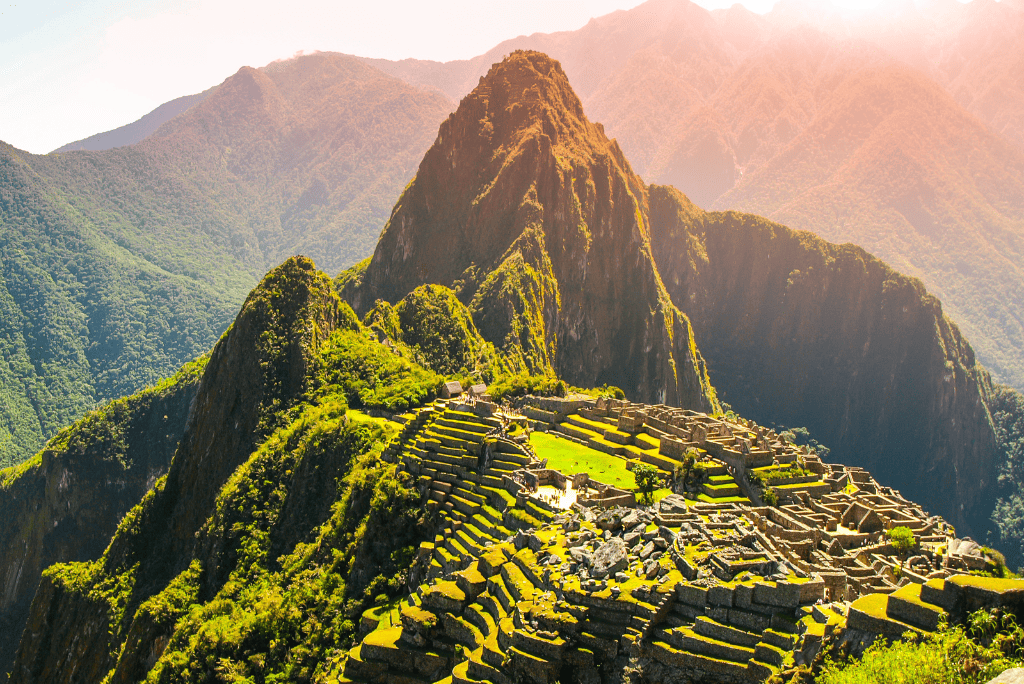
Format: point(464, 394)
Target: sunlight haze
point(70, 70)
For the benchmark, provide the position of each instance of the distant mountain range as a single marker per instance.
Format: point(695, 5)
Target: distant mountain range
point(274, 512)
point(137, 131)
point(802, 116)
point(118, 266)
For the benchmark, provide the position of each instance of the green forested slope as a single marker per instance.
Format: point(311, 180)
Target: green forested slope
point(118, 266)
point(84, 319)
point(277, 523)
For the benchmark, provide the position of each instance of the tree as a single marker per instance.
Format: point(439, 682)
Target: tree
point(902, 541)
point(646, 477)
point(682, 471)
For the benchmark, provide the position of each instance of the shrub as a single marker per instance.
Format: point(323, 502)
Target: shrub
point(646, 477)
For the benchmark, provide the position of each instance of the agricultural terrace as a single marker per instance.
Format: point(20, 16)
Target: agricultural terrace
point(514, 587)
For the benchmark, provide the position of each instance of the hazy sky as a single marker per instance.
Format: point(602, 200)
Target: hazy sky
point(71, 69)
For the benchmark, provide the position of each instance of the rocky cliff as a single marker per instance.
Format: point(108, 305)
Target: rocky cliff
point(533, 216)
point(800, 331)
point(65, 504)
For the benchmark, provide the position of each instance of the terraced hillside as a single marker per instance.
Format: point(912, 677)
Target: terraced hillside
point(521, 584)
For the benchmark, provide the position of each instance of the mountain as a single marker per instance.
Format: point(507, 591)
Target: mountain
point(971, 49)
point(511, 209)
point(799, 331)
point(137, 131)
point(271, 450)
point(192, 214)
point(534, 217)
point(119, 266)
point(890, 162)
point(524, 241)
point(710, 102)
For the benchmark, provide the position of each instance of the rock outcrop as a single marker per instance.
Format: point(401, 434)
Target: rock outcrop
point(533, 216)
point(65, 504)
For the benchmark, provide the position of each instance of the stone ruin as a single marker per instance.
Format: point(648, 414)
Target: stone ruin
point(711, 589)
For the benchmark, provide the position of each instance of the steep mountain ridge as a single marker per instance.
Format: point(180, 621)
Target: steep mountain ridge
point(704, 100)
point(256, 372)
point(276, 494)
point(536, 219)
point(945, 203)
point(803, 331)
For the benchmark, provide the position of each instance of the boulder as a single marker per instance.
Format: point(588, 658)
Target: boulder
point(609, 558)
point(581, 556)
point(609, 520)
point(673, 504)
point(1012, 676)
point(631, 519)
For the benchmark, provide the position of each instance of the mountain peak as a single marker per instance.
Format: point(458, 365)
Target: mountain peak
point(525, 97)
point(528, 87)
point(533, 216)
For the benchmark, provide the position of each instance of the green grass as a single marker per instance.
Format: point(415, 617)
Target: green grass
point(875, 605)
point(991, 583)
point(360, 417)
point(949, 657)
point(569, 457)
point(660, 494)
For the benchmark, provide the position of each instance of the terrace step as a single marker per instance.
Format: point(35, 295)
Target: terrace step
point(470, 508)
point(602, 444)
point(598, 427)
point(705, 626)
point(579, 433)
point(721, 491)
point(450, 420)
point(687, 639)
point(906, 605)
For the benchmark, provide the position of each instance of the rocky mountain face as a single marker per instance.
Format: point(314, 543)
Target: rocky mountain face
point(65, 504)
point(120, 265)
point(802, 114)
point(535, 218)
point(801, 331)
